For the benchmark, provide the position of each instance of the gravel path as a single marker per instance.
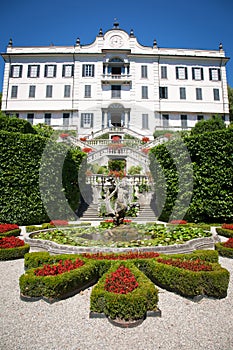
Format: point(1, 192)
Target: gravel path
point(184, 325)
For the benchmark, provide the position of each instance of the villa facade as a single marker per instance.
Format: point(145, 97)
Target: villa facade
point(114, 82)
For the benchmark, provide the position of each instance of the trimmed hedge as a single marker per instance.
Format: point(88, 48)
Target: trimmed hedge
point(14, 233)
point(212, 195)
point(20, 168)
point(53, 288)
point(14, 124)
point(224, 232)
point(14, 253)
point(224, 251)
point(131, 306)
point(188, 283)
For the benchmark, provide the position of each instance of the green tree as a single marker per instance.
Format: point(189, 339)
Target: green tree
point(0, 101)
point(230, 98)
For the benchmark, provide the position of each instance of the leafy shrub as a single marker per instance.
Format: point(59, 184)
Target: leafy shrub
point(20, 199)
point(212, 195)
point(224, 250)
point(224, 232)
point(213, 124)
point(14, 124)
point(60, 286)
point(12, 248)
point(131, 306)
point(187, 283)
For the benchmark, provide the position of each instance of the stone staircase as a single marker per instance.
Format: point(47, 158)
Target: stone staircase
point(90, 213)
point(146, 214)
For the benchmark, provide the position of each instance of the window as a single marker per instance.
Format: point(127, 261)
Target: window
point(163, 72)
point(184, 122)
point(67, 91)
point(145, 124)
point(49, 90)
point(30, 117)
point(16, 71)
point(181, 73)
point(197, 73)
point(215, 74)
point(144, 91)
point(144, 71)
point(116, 91)
point(87, 92)
point(33, 71)
point(68, 70)
point(47, 118)
point(88, 70)
point(182, 93)
point(14, 91)
point(216, 94)
point(66, 117)
point(163, 92)
point(32, 91)
point(50, 70)
point(200, 117)
point(86, 120)
point(198, 93)
point(165, 120)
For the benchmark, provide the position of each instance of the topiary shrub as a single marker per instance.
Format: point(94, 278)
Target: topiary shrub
point(225, 248)
point(224, 232)
point(12, 248)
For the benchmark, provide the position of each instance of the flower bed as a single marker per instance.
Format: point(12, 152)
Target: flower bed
point(178, 222)
point(227, 226)
point(9, 230)
point(61, 267)
point(59, 223)
point(192, 265)
point(225, 249)
point(59, 286)
point(12, 248)
point(188, 283)
point(121, 281)
point(124, 256)
point(130, 306)
point(225, 231)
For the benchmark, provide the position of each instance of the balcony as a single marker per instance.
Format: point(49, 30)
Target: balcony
point(116, 78)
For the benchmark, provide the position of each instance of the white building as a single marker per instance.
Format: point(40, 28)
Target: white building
point(114, 81)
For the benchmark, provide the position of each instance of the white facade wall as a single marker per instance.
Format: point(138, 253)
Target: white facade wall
point(130, 108)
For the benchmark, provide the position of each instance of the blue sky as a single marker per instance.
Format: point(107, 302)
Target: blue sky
point(199, 24)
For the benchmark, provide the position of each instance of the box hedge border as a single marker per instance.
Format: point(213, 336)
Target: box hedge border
point(185, 282)
point(131, 306)
point(224, 232)
point(14, 253)
point(224, 251)
point(54, 288)
point(16, 232)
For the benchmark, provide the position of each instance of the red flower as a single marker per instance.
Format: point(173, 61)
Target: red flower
point(178, 222)
point(63, 136)
point(229, 243)
point(123, 256)
point(8, 227)
point(61, 267)
point(83, 139)
point(193, 265)
point(145, 139)
point(227, 226)
point(146, 150)
point(87, 149)
point(117, 174)
point(116, 138)
point(59, 222)
point(122, 281)
point(10, 242)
